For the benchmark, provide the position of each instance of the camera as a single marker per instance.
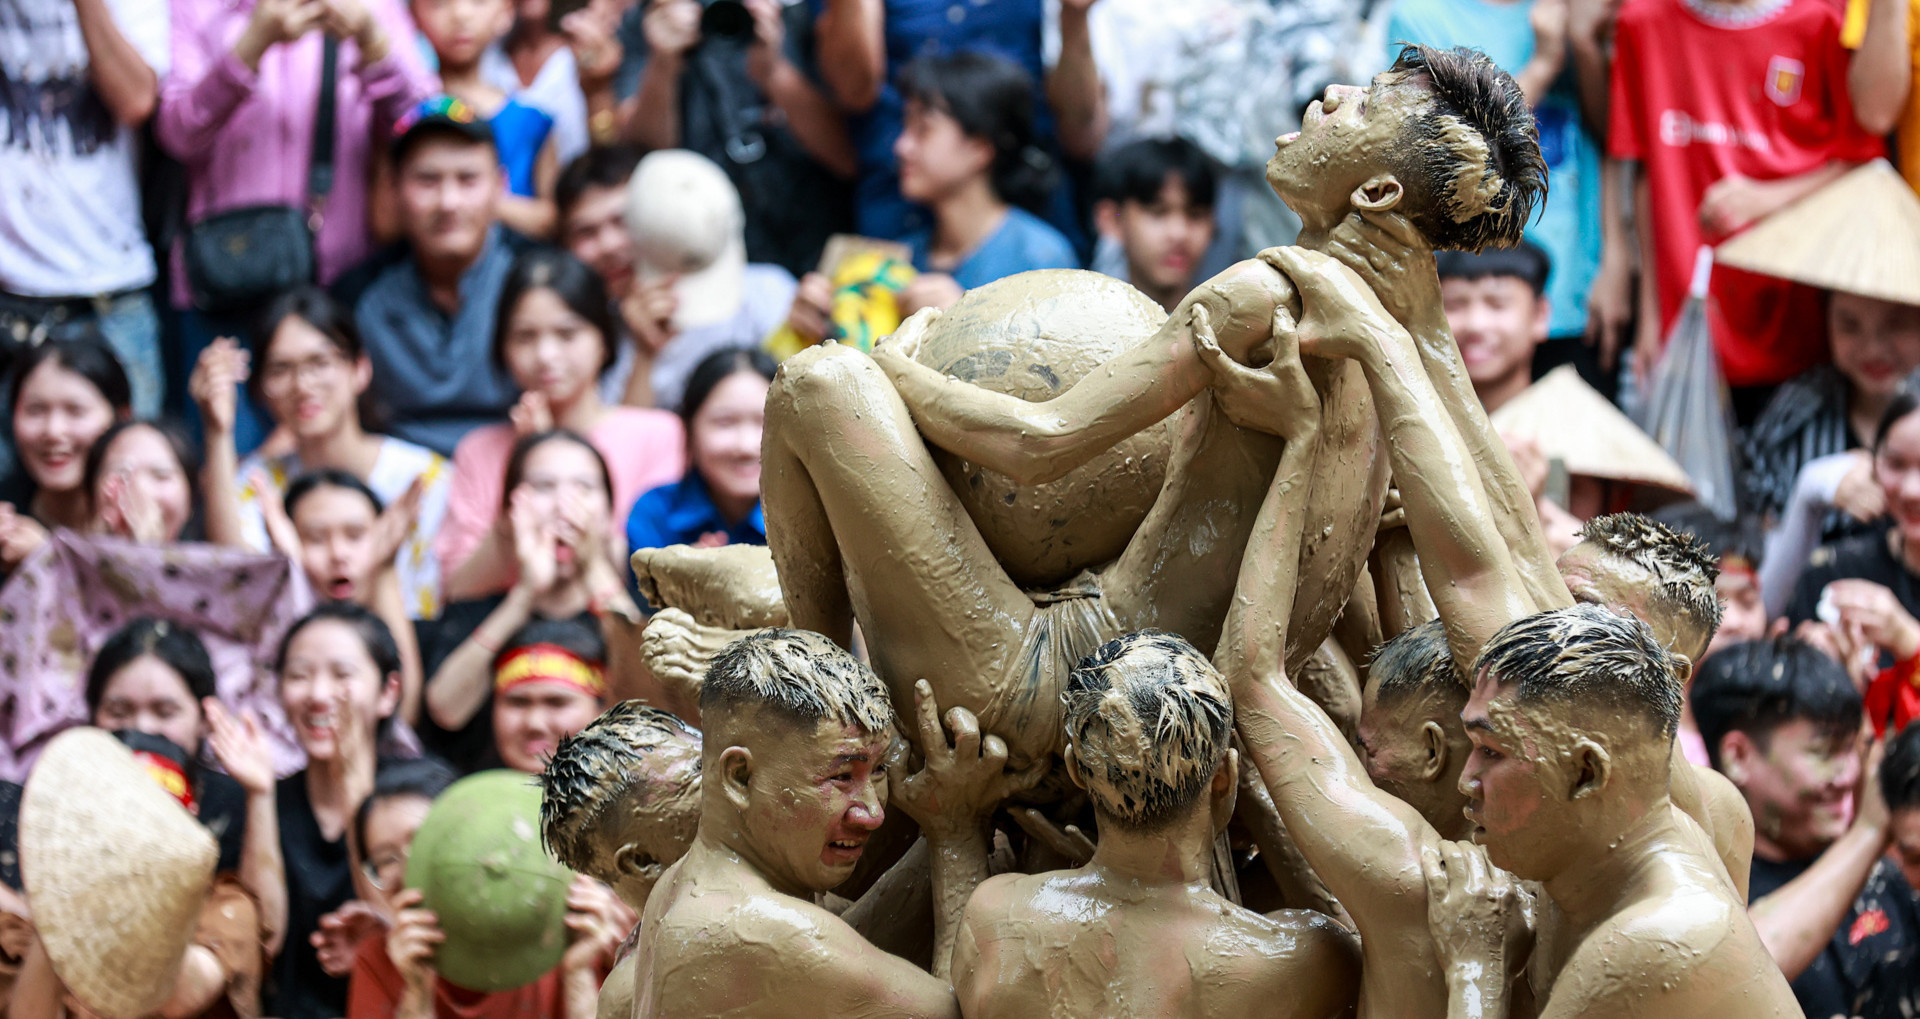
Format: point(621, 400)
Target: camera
point(725, 19)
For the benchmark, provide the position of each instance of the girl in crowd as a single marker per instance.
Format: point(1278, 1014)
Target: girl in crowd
point(549, 682)
point(312, 376)
point(969, 153)
point(65, 395)
point(556, 336)
point(340, 684)
point(140, 481)
point(717, 502)
point(556, 506)
point(389, 965)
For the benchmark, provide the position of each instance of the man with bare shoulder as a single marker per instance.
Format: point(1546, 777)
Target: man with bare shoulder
point(1138, 931)
point(793, 782)
point(1572, 720)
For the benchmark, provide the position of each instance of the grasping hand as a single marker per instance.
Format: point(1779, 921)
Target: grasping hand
point(1859, 494)
point(962, 782)
point(1340, 316)
point(1870, 611)
point(904, 342)
point(769, 36)
point(415, 936)
point(20, 537)
point(276, 21)
point(340, 934)
point(591, 33)
point(1069, 841)
point(240, 745)
point(810, 315)
point(1481, 918)
point(1387, 251)
point(597, 921)
point(648, 312)
point(1278, 399)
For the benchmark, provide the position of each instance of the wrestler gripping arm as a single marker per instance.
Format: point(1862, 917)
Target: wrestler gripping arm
point(1033, 443)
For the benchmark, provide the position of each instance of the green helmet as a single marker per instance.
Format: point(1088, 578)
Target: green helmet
point(501, 900)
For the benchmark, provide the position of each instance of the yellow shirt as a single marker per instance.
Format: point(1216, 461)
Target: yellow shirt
point(1907, 131)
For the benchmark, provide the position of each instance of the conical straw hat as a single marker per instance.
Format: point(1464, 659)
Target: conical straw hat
point(1860, 234)
point(1575, 424)
point(116, 873)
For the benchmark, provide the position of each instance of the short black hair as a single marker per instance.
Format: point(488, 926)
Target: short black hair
point(1469, 90)
point(425, 777)
point(603, 166)
point(172, 434)
point(328, 317)
point(372, 631)
point(579, 635)
point(327, 477)
point(1418, 659)
point(526, 444)
point(1739, 538)
point(1759, 685)
point(991, 98)
point(578, 287)
point(1900, 769)
point(1138, 170)
point(1906, 400)
point(178, 647)
point(1525, 261)
point(716, 368)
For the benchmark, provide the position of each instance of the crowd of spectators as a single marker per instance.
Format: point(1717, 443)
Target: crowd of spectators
point(303, 528)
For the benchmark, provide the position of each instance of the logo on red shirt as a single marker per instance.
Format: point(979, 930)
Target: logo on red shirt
point(1785, 75)
point(1866, 925)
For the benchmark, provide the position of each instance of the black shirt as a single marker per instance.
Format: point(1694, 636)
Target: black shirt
point(221, 805)
point(1871, 966)
point(1863, 557)
point(319, 881)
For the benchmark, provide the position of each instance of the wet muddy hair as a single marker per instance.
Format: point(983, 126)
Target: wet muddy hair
point(800, 676)
point(1585, 654)
point(1900, 770)
point(1682, 566)
point(1149, 719)
point(1757, 686)
point(596, 768)
point(1417, 660)
point(1472, 94)
point(1739, 538)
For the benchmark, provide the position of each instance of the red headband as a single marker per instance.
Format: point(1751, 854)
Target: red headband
point(548, 663)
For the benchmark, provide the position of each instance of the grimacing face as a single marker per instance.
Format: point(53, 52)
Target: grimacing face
point(813, 797)
point(1510, 799)
point(1344, 140)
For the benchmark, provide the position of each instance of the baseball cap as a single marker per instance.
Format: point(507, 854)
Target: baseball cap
point(438, 115)
point(685, 218)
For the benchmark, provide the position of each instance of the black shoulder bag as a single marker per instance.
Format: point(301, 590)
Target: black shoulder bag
point(241, 258)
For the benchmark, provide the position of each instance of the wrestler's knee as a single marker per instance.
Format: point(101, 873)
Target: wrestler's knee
point(822, 380)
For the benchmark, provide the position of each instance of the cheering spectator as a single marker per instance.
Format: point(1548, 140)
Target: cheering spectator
point(735, 92)
point(240, 110)
point(718, 501)
point(967, 151)
point(697, 289)
point(425, 309)
point(1885, 560)
point(1153, 204)
point(80, 79)
point(556, 339)
point(313, 378)
point(549, 682)
point(1499, 312)
point(140, 478)
point(65, 394)
point(1717, 152)
point(461, 32)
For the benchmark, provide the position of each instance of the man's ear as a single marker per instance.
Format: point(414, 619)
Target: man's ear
point(1106, 218)
point(630, 859)
point(1437, 752)
point(736, 774)
point(1224, 790)
point(1072, 762)
point(1379, 193)
point(1542, 318)
point(1738, 753)
point(1682, 668)
point(1593, 767)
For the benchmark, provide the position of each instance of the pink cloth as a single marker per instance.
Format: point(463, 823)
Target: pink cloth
point(643, 448)
point(1693, 747)
point(71, 595)
point(246, 137)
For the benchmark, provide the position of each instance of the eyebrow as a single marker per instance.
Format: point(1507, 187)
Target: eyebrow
point(859, 758)
point(1480, 725)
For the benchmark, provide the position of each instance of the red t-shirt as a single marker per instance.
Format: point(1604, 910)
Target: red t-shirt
point(1701, 91)
point(376, 987)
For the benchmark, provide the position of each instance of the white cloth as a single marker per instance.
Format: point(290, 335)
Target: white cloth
point(394, 469)
point(555, 91)
point(69, 173)
point(1797, 534)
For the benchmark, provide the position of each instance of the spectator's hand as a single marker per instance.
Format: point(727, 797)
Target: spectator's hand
point(960, 784)
point(671, 27)
point(1549, 21)
point(240, 745)
point(1610, 307)
point(1277, 399)
point(1530, 461)
point(1859, 495)
point(930, 290)
point(20, 537)
point(597, 921)
point(812, 308)
point(1388, 254)
point(1646, 353)
point(648, 312)
point(592, 33)
point(128, 510)
point(1591, 21)
point(1871, 612)
point(217, 376)
point(341, 933)
point(583, 530)
point(533, 545)
point(415, 936)
point(395, 524)
point(1858, 657)
point(769, 38)
point(1733, 203)
point(273, 516)
point(531, 414)
point(274, 22)
point(350, 19)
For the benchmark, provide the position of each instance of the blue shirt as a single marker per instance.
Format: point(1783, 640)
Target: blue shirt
point(519, 133)
point(678, 514)
point(1569, 223)
point(1024, 241)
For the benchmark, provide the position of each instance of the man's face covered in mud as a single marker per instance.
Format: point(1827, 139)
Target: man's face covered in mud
point(1345, 141)
point(809, 796)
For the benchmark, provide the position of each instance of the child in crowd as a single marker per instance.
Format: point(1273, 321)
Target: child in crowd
point(1153, 204)
point(1497, 308)
point(969, 153)
point(64, 395)
point(556, 338)
point(717, 502)
point(311, 373)
point(140, 479)
point(460, 32)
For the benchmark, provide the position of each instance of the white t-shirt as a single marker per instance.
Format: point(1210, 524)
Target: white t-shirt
point(399, 462)
point(555, 91)
point(69, 173)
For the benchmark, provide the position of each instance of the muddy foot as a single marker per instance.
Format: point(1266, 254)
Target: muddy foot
point(733, 586)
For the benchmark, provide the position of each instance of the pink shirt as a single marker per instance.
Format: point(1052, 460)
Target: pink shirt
point(246, 137)
point(643, 449)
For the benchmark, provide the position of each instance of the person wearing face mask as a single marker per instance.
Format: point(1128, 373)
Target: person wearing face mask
point(65, 394)
point(556, 504)
point(556, 338)
point(717, 502)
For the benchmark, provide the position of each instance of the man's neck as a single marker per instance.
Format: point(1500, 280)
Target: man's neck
point(1495, 394)
point(965, 219)
point(1598, 884)
point(728, 851)
point(442, 276)
point(1180, 854)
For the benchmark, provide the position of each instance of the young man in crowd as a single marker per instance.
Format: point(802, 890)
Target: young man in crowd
point(1499, 312)
point(1782, 720)
point(1153, 205)
point(425, 307)
point(591, 197)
